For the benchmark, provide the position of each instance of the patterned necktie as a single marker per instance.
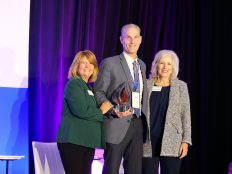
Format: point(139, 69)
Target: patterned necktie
point(136, 84)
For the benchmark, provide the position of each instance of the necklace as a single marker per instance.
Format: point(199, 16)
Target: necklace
point(162, 83)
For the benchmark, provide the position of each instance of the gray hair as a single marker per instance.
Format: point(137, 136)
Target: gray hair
point(125, 27)
point(158, 56)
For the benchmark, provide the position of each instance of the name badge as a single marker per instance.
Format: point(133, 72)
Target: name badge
point(135, 100)
point(90, 92)
point(156, 88)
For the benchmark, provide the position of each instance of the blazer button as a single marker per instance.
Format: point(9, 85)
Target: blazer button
point(128, 121)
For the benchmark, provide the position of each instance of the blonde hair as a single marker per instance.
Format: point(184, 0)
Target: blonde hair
point(79, 57)
point(158, 56)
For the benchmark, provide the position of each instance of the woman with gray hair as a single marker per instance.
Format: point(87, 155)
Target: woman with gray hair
point(168, 118)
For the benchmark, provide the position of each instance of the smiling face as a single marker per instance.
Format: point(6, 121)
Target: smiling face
point(131, 40)
point(85, 69)
point(165, 66)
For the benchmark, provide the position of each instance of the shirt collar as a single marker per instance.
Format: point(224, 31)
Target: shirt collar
point(128, 58)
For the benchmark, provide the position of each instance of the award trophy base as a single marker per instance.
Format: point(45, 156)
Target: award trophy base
point(122, 107)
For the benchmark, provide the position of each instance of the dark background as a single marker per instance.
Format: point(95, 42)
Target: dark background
point(199, 31)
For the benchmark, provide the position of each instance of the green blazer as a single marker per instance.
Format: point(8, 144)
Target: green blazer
point(82, 119)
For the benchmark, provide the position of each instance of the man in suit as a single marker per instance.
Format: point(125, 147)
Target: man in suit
point(124, 130)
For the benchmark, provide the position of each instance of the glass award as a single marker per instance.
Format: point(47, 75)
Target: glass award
point(121, 97)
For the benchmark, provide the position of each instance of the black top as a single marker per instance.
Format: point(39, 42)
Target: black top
point(158, 109)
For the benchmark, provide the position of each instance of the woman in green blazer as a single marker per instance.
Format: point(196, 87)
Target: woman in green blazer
point(80, 130)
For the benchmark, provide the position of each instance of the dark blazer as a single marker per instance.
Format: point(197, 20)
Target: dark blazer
point(113, 72)
point(82, 119)
point(177, 128)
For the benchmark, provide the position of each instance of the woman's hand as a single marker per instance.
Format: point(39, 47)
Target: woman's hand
point(105, 107)
point(183, 150)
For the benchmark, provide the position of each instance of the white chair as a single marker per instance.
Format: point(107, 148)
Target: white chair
point(47, 158)
point(121, 170)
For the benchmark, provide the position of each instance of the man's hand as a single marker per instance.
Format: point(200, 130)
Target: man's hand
point(123, 114)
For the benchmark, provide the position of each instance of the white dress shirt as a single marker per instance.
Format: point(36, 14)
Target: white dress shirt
point(130, 61)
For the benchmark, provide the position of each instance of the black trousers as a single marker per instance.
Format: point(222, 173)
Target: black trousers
point(76, 159)
point(168, 165)
point(130, 149)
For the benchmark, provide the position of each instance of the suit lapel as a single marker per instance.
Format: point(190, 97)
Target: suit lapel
point(150, 84)
point(172, 99)
point(126, 70)
point(142, 71)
